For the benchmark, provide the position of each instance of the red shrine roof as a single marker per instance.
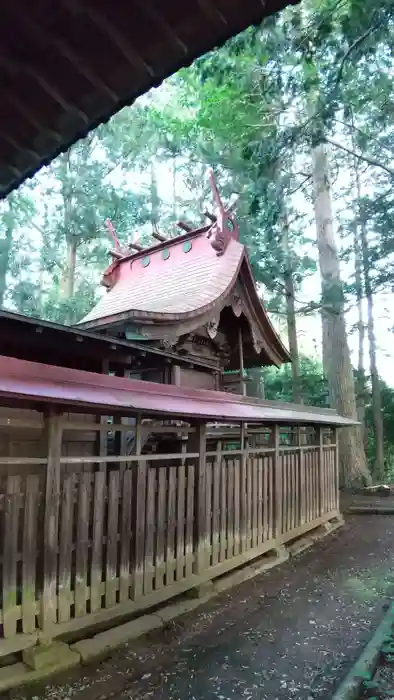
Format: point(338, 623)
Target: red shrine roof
point(183, 280)
point(35, 384)
point(185, 276)
point(179, 285)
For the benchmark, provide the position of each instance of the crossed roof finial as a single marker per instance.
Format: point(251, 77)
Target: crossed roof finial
point(225, 227)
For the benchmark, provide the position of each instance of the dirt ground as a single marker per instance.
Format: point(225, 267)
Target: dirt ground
point(292, 632)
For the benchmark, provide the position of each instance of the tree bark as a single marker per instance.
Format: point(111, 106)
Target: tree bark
point(154, 196)
point(71, 266)
point(336, 355)
point(291, 316)
point(378, 471)
point(361, 379)
point(5, 255)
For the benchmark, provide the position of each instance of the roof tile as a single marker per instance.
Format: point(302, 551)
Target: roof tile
point(184, 283)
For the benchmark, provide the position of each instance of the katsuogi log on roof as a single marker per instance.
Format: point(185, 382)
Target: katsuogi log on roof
point(201, 279)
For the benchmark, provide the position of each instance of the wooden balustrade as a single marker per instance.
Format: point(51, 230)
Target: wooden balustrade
point(88, 537)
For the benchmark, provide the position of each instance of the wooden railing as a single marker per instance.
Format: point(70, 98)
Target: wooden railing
point(90, 538)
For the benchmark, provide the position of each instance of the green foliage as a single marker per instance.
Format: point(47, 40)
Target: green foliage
point(279, 386)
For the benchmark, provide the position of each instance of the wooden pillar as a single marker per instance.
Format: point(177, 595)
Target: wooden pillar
point(321, 471)
point(197, 443)
point(335, 434)
point(101, 445)
point(277, 466)
point(241, 362)
point(53, 432)
point(140, 509)
point(302, 481)
point(243, 488)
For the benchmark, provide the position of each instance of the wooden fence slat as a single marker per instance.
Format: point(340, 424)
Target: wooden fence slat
point(97, 542)
point(160, 530)
point(243, 486)
point(65, 547)
point(208, 512)
point(255, 497)
point(189, 546)
point(171, 516)
point(150, 530)
point(200, 509)
point(237, 534)
point(216, 512)
point(10, 550)
point(82, 544)
point(302, 484)
point(29, 553)
point(278, 487)
point(180, 523)
point(223, 512)
point(125, 536)
point(262, 500)
point(249, 503)
point(271, 497)
point(140, 529)
point(112, 539)
point(230, 508)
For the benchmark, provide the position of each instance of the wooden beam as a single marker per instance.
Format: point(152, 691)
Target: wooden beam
point(55, 94)
point(184, 226)
point(106, 26)
point(158, 18)
point(63, 48)
point(15, 67)
point(135, 246)
point(210, 216)
point(212, 12)
point(116, 254)
point(29, 117)
point(18, 147)
point(159, 237)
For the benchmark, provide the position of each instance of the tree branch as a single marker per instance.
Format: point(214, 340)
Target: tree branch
point(352, 48)
point(367, 159)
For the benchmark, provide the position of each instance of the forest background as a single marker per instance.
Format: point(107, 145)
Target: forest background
point(296, 116)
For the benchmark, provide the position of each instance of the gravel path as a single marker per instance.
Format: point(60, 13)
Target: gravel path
point(292, 632)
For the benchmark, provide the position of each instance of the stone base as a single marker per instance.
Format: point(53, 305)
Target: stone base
point(101, 644)
point(200, 591)
point(48, 656)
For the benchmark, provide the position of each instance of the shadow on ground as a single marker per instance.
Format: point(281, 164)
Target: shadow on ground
point(291, 632)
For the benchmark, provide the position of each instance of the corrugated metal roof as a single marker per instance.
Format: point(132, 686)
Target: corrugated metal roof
point(38, 383)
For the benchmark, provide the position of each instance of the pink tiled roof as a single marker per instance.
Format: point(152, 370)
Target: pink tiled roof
point(171, 286)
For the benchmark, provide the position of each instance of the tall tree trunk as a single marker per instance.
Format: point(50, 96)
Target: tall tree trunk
point(154, 196)
point(174, 187)
point(336, 355)
point(71, 266)
point(68, 277)
point(361, 378)
point(291, 315)
point(5, 255)
point(378, 471)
